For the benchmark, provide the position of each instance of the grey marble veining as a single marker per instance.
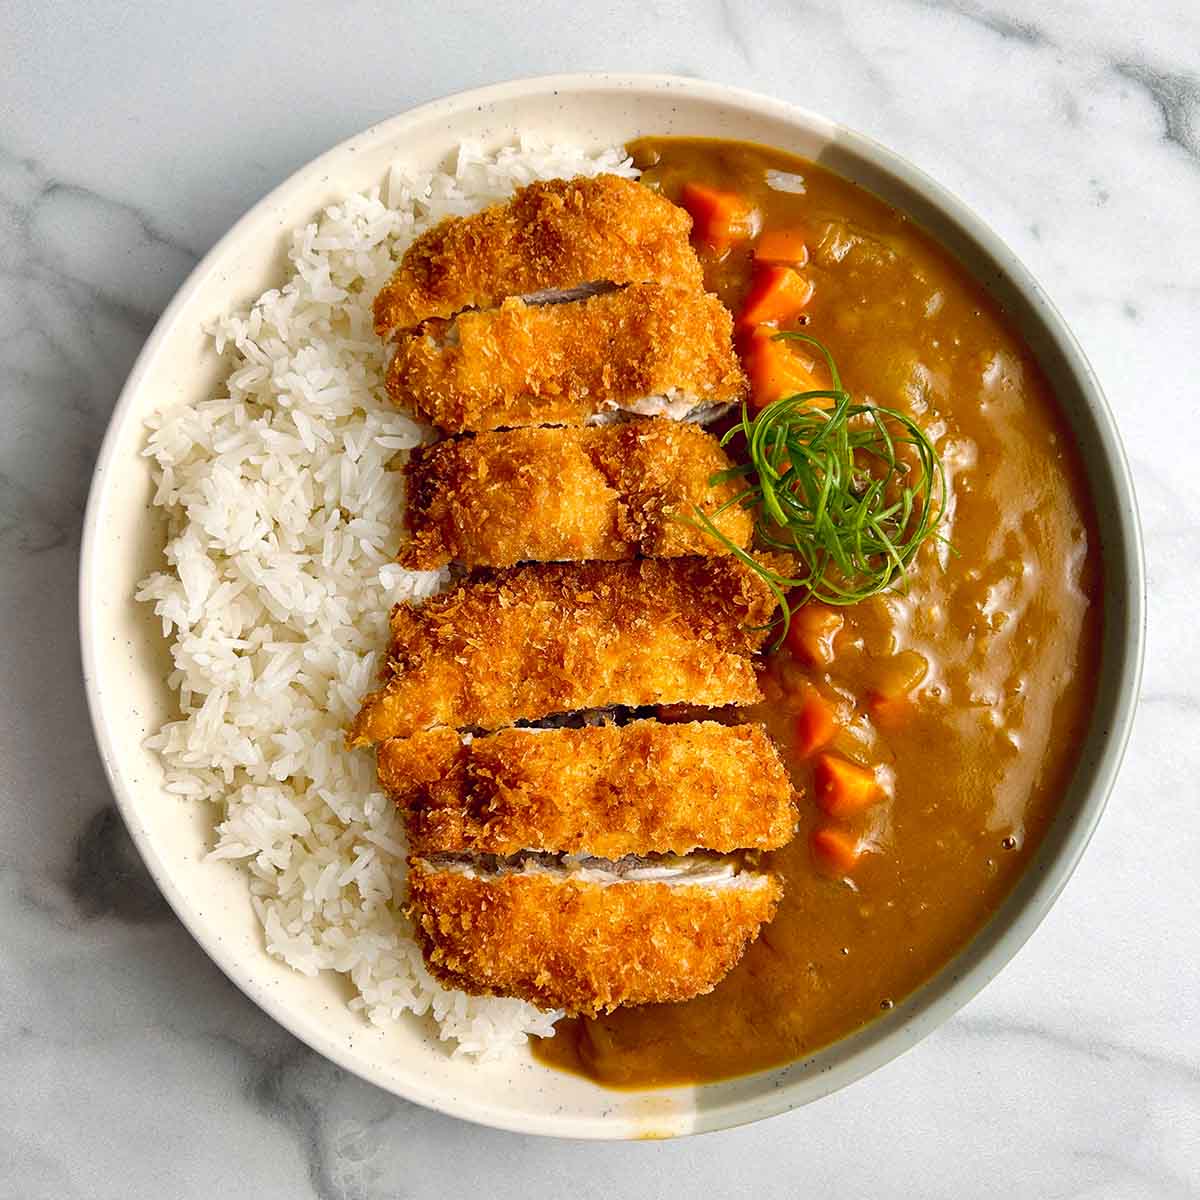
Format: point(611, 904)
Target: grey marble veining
point(131, 137)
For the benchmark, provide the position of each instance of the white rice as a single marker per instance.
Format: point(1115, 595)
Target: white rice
point(284, 513)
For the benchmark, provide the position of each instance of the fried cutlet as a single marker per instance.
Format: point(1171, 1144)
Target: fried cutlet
point(645, 349)
point(551, 495)
point(607, 791)
point(585, 941)
point(551, 236)
point(527, 642)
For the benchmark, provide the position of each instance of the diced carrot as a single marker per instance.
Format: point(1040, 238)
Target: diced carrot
point(835, 851)
point(811, 632)
point(781, 246)
point(776, 294)
point(718, 218)
point(815, 723)
point(843, 788)
point(776, 370)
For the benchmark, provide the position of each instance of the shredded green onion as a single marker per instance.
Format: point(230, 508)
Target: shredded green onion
point(830, 486)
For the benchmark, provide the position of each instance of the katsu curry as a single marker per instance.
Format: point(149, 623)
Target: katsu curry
point(771, 615)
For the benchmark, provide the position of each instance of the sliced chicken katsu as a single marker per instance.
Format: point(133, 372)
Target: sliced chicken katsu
point(554, 236)
point(532, 641)
point(588, 937)
point(550, 495)
point(605, 791)
point(645, 349)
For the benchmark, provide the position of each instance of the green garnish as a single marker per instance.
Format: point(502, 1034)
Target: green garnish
point(832, 486)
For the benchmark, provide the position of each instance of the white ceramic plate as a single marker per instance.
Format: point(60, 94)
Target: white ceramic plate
point(126, 662)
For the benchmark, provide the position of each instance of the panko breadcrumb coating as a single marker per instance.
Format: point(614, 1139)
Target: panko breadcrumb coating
point(549, 495)
point(605, 791)
point(585, 947)
point(644, 348)
point(559, 865)
point(554, 235)
point(531, 641)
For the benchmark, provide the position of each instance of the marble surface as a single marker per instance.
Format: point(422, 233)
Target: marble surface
point(132, 136)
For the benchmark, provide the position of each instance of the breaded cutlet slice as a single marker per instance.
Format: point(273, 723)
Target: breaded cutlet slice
point(552, 495)
point(556, 235)
point(528, 642)
point(605, 791)
point(645, 349)
point(569, 941)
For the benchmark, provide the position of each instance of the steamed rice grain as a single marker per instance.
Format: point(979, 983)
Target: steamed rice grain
point(284, 516)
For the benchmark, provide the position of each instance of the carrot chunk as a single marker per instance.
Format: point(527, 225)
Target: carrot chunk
point(811, 632)
point(718, 218)
point(781, 246)
point(815, 723)
point(776, 294)
point(843, 788)
point(776, 369)
point(835, 851)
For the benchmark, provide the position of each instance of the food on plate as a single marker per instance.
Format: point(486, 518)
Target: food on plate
point(720, 219)
point(644, 349)
point(548, 495)
point(555, 236)
point(930, 705)
point(665, 606)
point(588, 937)
point(528, 642)
point(869, 678)
point(852, 490)
point(602, 790)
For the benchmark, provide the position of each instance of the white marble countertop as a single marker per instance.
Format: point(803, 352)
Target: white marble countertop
point(132, 137)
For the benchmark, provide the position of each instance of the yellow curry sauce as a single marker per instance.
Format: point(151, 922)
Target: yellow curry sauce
point(992, 651)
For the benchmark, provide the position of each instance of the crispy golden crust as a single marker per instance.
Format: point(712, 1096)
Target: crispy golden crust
point(605, 791)
point(560, 364)
point(553, 235)
point(527, 642)
point(583, 947)
point(549, 495)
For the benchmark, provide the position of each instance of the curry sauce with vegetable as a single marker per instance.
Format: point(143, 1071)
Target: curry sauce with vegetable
point(930, 728)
